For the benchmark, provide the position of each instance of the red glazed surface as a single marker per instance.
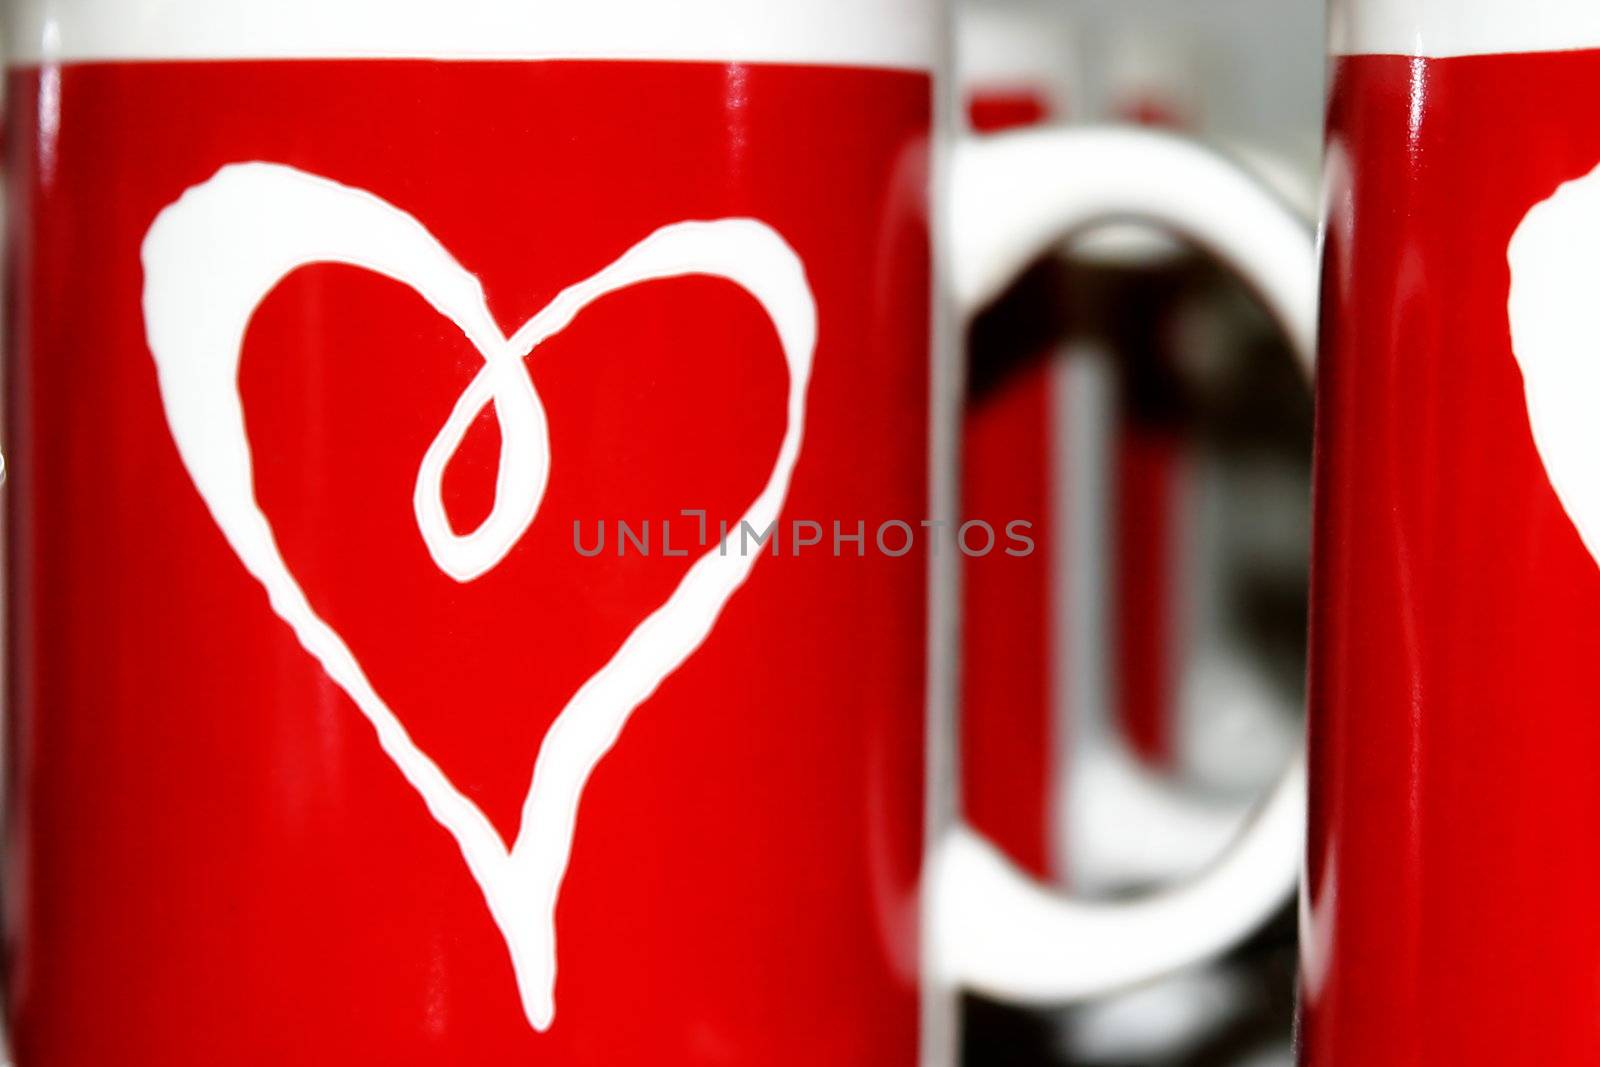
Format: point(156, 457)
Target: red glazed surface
point(1456, 614)
point(210, 861)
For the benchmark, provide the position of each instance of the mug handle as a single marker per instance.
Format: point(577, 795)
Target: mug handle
point(995, 929)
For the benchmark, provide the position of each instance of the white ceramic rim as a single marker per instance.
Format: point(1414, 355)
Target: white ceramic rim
point(895, 34)
point(1441, 28)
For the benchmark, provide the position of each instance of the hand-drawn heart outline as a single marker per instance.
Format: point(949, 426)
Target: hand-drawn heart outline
point(1554, 256)
point(210, 258)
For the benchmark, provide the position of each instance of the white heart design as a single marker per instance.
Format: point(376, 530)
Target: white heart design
point(1555, 335)
point(215, 253)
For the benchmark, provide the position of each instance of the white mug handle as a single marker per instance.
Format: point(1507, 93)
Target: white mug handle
point(996, 930)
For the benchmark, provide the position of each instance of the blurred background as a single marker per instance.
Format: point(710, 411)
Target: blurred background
point(1130, 690)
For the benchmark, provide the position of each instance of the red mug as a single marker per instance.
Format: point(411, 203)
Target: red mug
point(422, 419)
point(1456, 608)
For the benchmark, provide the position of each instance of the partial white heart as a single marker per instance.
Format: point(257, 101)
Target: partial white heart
point(215, 253)
point(1555, 335)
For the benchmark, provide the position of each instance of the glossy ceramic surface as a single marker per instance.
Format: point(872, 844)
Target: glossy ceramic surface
point(1452, 869)
point(296, 818)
